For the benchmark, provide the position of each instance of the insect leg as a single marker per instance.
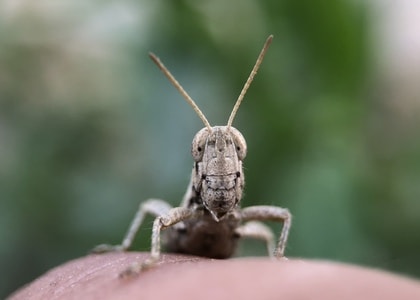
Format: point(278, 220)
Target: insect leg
point(155, 207)
point(259, 231)
point(271, 213)
point(173, 216)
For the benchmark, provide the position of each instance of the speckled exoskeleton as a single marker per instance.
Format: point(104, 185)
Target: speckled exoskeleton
point(209, 220)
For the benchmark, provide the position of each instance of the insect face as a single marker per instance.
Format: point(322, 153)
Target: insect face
point(219, 179)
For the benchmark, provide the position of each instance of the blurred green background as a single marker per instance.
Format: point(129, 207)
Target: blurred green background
point(89, 127)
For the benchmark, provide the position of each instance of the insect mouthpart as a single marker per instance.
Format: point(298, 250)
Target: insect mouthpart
point(217, 214)
point(219, 194)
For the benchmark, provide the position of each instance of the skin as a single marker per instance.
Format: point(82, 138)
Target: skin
point(189, 277)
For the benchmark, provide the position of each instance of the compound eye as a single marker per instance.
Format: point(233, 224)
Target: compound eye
point(239, 141)
point(198, 144)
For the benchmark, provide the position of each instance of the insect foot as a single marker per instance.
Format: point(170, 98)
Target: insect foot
point(105, 248)
point(136, 268)
point(130, 272)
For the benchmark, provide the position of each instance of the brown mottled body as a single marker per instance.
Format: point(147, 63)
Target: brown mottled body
point(209, 220)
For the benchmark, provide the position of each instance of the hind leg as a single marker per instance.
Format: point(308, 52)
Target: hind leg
point(259, 231)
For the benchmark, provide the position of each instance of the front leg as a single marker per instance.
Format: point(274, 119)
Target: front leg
point(154, 207)
point(271, 213)
point(174, 216)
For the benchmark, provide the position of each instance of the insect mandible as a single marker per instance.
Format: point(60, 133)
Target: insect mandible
point(209, 220)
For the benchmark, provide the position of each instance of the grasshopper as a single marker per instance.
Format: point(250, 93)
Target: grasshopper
point(209, 220)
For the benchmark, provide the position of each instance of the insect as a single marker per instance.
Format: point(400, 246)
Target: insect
point(209, 220)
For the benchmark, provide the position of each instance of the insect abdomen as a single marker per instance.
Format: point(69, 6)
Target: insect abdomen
point(203, 237)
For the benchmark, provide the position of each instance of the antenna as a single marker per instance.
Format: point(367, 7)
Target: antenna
point(249, 80)
point(187, 97)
